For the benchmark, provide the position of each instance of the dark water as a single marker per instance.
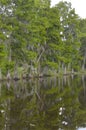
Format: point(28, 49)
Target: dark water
point(44, 104)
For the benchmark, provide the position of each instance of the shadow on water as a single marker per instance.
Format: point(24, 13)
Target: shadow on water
point(43, 104)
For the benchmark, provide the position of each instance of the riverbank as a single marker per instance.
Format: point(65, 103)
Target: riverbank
point(42, 76)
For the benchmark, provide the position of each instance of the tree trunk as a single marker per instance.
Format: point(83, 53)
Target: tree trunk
point(0, 74)
point(83, 65)
point(8, 75)
point(65, 70)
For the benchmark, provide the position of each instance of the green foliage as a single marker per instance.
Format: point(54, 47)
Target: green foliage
point(9, 66)
point(52, 65)
point(6, 66)
point(31, 55)
point(35, 34)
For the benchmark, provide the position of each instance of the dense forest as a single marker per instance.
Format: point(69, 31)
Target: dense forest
point(37, 39)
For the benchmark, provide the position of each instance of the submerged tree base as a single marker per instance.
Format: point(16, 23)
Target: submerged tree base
point(22, 78)
point(40, 76)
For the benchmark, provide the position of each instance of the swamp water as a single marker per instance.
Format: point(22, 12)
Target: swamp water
point(44, 104)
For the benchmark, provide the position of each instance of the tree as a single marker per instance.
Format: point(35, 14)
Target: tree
point(82, 27)
point(69, 34)
point(38, 38)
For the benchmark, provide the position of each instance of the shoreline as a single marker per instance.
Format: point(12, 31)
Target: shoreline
point(41, 76)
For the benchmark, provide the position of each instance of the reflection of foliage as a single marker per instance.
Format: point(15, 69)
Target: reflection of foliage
point(43, 105)
point(82, 98)
point(5, 97)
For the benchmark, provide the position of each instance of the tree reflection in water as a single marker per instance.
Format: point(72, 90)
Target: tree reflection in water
point(43, 104)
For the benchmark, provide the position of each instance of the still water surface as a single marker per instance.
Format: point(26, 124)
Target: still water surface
point(44, 104)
